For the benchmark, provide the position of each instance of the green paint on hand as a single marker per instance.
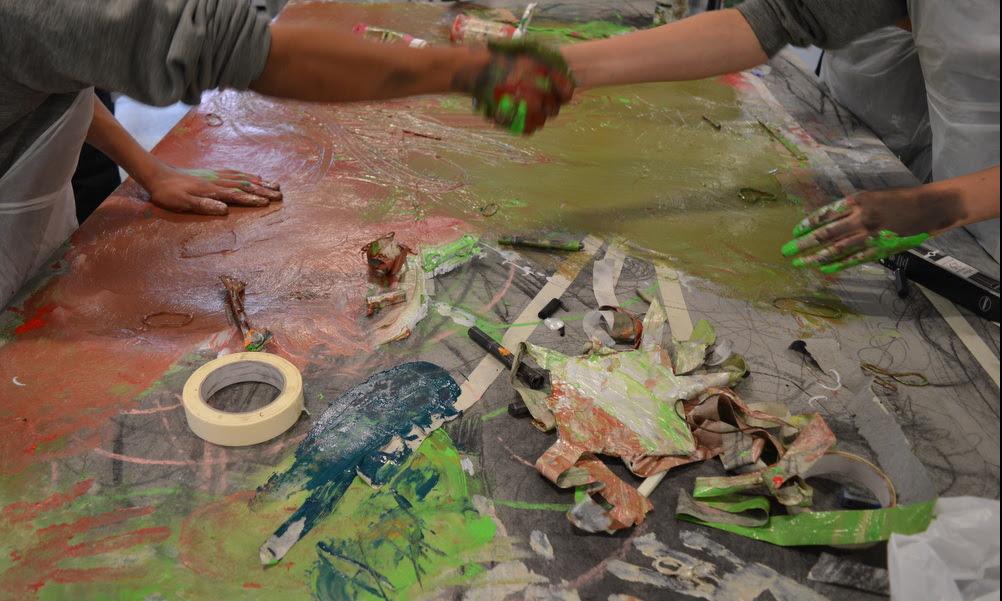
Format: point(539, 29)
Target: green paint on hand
point(886, 243)
point(881, 246)
point(518, 123)
point(506, 107)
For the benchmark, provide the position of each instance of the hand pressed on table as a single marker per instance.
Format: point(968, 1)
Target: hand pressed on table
point(208, 191)
point(522, 85)
point(870, 226)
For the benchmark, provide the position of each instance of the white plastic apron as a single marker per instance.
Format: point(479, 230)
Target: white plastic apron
point(878, 77)
point(958, 48)
point(37, 211)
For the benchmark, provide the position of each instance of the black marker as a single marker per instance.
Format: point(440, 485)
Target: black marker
point(532, 376)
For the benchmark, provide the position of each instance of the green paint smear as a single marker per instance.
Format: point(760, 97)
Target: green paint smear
point(417, 529)
point(450, 255)
point(649, 171)
point(561, 507)
point(497, 412)
point(440, 529)
point(591, 30)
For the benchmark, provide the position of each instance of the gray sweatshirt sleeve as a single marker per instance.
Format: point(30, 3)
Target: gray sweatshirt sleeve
point(823, 23)
point(157, 51)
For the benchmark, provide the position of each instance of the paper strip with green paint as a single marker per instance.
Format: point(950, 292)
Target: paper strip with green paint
point(820, 527)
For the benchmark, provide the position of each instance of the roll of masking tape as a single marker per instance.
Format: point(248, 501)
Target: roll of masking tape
point(250, 427)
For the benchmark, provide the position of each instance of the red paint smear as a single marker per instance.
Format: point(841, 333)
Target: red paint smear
point(34, 322)
point(52, 545)
point(22, 511)
point(735, 80)
point(251, 585)
point(777, 481)
point(71, 396)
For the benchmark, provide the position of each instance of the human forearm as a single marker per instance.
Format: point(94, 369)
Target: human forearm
point(978, 193)
point(107, 135)
point(701, 46)
point(204, 191)
point(312, 62)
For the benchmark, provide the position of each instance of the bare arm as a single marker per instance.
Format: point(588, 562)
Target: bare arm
point(725, 41)
point(315, 62)
point(197, 191)
point(707, 44)
point(107, 135)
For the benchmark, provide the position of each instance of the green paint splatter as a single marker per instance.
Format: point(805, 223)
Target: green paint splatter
point(396, 542)
point(497, 412)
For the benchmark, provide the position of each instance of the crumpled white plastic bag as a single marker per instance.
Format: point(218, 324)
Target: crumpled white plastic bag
point(955, 559)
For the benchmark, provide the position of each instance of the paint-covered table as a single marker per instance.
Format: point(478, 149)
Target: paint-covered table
point(106, 494)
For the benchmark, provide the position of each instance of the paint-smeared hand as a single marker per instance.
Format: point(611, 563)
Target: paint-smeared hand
point(207, 191)
point(870, 226)
point(522, 85)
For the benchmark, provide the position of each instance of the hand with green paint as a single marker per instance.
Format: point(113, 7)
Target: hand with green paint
point(870, 226)
point(207, 191)
point(522, 85)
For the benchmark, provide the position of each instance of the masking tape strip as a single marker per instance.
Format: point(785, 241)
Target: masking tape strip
point(251, 427)
point(681, 329)
point(489, 368)
point(674, 303)
point(984, 355)
point(605, 275)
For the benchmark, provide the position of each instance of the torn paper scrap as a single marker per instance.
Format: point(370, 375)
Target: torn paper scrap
point(399, 321)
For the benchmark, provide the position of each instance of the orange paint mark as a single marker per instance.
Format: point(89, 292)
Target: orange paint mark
point(22, 511)
point(30, 449)
point(251, 585)
point(34, 322)
point(735, 80)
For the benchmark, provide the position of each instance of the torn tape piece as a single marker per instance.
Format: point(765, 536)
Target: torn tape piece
point(687, 355)
point(605, 275)
point(250, 427)
point(593, 328)
point(738, 510)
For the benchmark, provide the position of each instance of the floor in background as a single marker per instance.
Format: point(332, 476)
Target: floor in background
point(148, 124)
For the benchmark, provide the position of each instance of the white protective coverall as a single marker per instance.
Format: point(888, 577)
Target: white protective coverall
point(944, 80)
